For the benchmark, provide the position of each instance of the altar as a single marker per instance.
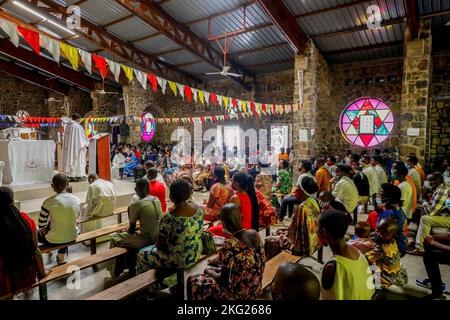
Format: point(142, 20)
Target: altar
point(27, 161)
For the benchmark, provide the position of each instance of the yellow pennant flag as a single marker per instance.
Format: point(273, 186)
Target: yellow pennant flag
point(128, 72)
point(244, 106)
point(201, 96)
point(71, 54)
point(173, 86)
point(225, 102)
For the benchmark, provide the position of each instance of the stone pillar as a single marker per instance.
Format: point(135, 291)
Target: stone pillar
point(135, 105)
point(105, 105)
point(315, 91)
point(417, 73)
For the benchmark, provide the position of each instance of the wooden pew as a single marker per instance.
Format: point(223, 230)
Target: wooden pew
point(88, 236)
point(272, 265)
point(80, 264)
point(117, 212)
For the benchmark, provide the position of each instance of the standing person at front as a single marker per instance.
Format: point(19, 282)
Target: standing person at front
point(100, 202)
point(241, 264)
point(20, 258)
point(179, 243)
point(74, 149)
point(346, 275)
point(58, 217)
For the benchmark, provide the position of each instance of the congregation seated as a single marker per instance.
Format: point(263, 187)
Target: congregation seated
point(362, 185)
point(200, 178)
point(362, 240)
point(147, 211)
point(390, 207)
point(404, 182)
point(220, 194)
point(58, 217)
point(294, 282)
point(240, 269)
point(118, 163)
point(21, 262)
point(322, 176)
point(100, 202)
point(157, 188)
point(132, 161)
point(327, 201)
point(344, 275)
point(283, 185)
point(386, 256)
point(178, 244)
point(301, 235)
point(184, 170)
point(267, 213)
point(151, 164)
point(263, 183)
point(245, 198)
point(345, 190)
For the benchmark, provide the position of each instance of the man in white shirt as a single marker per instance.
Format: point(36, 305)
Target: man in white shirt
point(74, 149)
point(118, 163)
point(345, 190)
point(411, 162)
point(377, 162)
point(372, 176)
point(100, 202)
point(58, 217)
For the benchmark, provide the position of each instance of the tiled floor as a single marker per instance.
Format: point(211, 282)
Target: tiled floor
point(92, 281)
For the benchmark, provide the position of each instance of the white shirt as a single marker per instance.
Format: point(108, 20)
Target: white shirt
point(382, 176)
point(374, 181)
point(101, 199)
point(346, 192)
point(414, 174)
point(61, 212)
point(303, 175)
point(407, 198)
point(118, 161)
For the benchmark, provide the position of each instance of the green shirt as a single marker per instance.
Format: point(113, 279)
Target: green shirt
point(148, 212)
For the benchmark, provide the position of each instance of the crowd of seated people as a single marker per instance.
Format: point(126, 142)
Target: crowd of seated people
point(329, 190)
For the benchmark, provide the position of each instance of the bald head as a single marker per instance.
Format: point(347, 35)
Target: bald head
point(59, 182)
point(293, 281)
point(92, 177)
point(231, 217)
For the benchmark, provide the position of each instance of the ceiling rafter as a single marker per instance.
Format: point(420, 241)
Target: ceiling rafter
point(119, 47)
point(160, 20)
point(413, 21)
point(363, 48)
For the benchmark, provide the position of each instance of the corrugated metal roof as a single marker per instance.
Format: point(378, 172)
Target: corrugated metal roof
point(102, 12)
point(275, 67)
point(132, 29)
point(267, 56)
point(157, 44)
point(180, 57)
point(199, 68)
point(427, 7)
point(303, 6)
point(367, 55)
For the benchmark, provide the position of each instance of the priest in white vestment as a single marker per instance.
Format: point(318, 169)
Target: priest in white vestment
point(74, 149)
point(100, 202)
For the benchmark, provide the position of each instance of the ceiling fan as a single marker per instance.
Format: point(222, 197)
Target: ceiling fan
point(52, 99)
point(103, 92)
point(225, 72)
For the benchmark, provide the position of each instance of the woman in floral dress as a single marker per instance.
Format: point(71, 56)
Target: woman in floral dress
point(263, 183)
point(179, 243)
point(284, 183)
point(220, 194)
point(241, 265)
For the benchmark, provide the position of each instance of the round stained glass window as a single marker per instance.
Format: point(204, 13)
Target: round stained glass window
point(366, 122)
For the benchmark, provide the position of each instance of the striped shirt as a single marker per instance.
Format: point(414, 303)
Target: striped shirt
point(437, 203)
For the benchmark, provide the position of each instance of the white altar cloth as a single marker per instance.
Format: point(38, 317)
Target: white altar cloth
point(27, 161)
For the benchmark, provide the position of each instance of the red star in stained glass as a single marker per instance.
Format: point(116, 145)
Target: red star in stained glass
point(378, 122)
point(356, 122)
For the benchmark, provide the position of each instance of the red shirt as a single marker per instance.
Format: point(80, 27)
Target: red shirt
point(158, 190)
point(246, 210)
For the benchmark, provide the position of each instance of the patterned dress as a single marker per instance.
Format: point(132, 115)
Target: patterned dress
point(284, 186)
point(222, 193)
point(263, 183)
point(267, 213)
point(246, 269)
point(184, 244)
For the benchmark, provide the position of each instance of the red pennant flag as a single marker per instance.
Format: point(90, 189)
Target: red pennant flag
point(153, 81)
point(31, 37)
point(202, 119)
point(188, 93)
point(234, 101)
point(252, 106)
point(299, 106)
point(264, 107)
point(284, 108)
point(227, 117)
point(214, 118)
point(101, 64)
point(274, 109)
point(213, 98)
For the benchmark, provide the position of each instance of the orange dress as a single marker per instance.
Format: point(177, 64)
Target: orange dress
point(222, 193)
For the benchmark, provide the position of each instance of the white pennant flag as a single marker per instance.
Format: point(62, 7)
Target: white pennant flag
point(115, 69)
point(239, 105)
point(195, 94)
point(206, 97)
point(220, 100)
point(142, 78)
point(52, 46)
point(163, 84)
point(86, 57)
point(11, 30)
point(181, 89)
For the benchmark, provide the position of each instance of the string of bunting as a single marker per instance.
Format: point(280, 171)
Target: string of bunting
point(233, 107)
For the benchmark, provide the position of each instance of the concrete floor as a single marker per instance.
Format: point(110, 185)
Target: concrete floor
point(94, 281)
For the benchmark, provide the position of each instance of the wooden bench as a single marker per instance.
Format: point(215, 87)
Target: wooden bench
point(117, 212)
point(272, 265)
point(88, 236)
point(80, 264)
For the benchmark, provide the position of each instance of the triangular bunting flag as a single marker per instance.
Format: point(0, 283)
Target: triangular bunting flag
point(32, 38)
point(207, 95)
point(115, 69)
point(86, 57)
point(180, 89)
point(162, 83)
point(226, 102)
point(188, 93)
point(11, 30)
point(153, 81)
point(213, 97)
point(201, 96)
point(220, 100)
point(142, 78)
point(71, 54)
point(128, 72)
point(244, 106)
point(195, 94)
point(101, 64)
point(240, 105)
point(173, 87)
point(52, 46)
